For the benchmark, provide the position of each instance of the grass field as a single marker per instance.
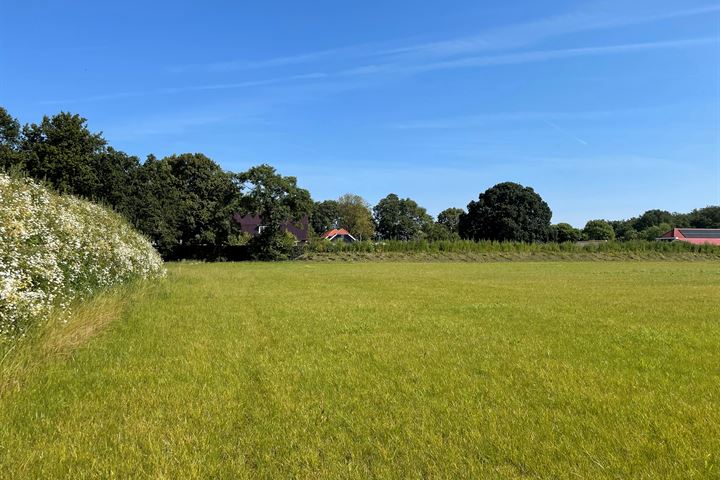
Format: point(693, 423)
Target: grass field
point(380, 370)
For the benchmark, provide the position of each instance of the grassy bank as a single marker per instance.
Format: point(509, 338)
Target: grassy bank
point(488, 251)
point(509, 256)
point(485, 247)
point(386, 370)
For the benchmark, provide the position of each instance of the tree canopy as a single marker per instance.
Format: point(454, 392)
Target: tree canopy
point(708, 217)
point(10, 155)
point(62, 151)
point(564, 232)
point(652, 218)
point(277, 199)
point(450, 219)
point(324, 216)
point(182, 200)
point(507, 211)
point(598, 230)
point(354, 215)
point(188, 199)
point(400, 219)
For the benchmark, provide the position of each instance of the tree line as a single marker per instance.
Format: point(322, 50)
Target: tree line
point(188, 199)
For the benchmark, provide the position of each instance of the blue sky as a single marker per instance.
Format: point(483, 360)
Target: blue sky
point(606, 108)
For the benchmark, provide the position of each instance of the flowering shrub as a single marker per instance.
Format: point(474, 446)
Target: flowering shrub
point(56, 248)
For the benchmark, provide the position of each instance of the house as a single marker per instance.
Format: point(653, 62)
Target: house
point(338, 235)
point(697, 236)
point(253, 225)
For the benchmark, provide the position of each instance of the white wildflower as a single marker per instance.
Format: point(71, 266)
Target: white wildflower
point(55, 248)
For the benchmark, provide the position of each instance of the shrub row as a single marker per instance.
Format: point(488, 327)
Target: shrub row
point(468, 246)
point(57, 248)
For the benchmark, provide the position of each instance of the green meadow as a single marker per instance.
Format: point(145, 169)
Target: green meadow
point(376, 370)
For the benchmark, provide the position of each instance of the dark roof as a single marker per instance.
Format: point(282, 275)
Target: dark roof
point(251, 223)
point(700, 232)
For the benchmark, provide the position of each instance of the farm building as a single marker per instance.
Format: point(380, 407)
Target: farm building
point(697, 236)
point(338, 235)
point(253, 225)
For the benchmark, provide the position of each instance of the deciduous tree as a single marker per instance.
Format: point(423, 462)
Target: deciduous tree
point(182, 200)
point(355, 216)
point(450, 219)
point(564, 232)
point(10, 156)
point(62, 151)
point(651, 233)
point(400, 219)
point(324, 216)
point(507, 211)
point(708, 217)
point(276, 199)
point(652, 218)
point(598, 230)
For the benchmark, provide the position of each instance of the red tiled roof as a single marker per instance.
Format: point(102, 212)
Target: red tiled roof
point(335, 231)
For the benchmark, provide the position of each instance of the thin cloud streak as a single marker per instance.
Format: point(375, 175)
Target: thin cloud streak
point(195, 88)
point(537, 56)
point(565, 132)
point(523, 34)
point(502, 38)
point(412, 69)
point(348, 52)
point(470, 121)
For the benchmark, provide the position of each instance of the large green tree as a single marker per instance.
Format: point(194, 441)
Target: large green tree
point(208, 196)
point(507, 212)
point(115, 171)
point(450, 219)
point(624, 229)
point(708, 217)
point(653, 218)
point(598, 230)
point(355, 216)
point(564, 232)
point(324, 216)
point(400, 219)
point(62, 151)
point(651, 233)
point(183, 200)
point(155, 204)
point(277, 199)
point(10, 155)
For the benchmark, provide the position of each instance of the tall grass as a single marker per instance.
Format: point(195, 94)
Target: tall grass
point(61, 334)
point(55, 249)
point(468, 246)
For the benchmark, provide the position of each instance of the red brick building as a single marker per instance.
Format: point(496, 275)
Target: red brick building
point(698, 236)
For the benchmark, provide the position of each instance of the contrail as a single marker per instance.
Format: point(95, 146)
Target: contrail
point(565, 132)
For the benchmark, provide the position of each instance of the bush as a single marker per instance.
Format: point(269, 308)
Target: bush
point(564, 232)
point(651, 233)
point(272, 246)
point(57, 248)
point(598, 230)
point(488, 246)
